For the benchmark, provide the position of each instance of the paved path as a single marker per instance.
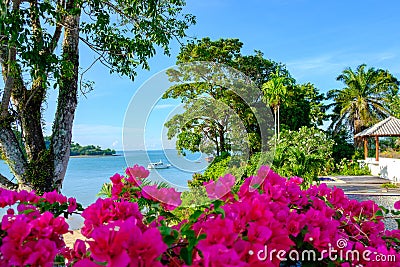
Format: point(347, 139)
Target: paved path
point(370, 185)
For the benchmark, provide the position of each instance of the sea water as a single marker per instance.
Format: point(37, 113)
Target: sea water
point(86, 175)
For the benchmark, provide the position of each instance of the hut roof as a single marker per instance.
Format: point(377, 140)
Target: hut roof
point(388, 127)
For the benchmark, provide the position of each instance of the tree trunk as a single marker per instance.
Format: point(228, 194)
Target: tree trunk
point(278, 122)
point(15, 157)
point(217, 145)
point(221, 140)
point(67, 100)
point(275, 121)
point(30, 112)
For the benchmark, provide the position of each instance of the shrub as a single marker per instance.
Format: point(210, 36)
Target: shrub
point(302, 153)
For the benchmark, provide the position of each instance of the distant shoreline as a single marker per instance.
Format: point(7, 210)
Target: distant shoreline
point(95, 156)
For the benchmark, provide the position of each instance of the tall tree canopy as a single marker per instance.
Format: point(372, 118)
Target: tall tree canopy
point(188, 88)
point(303, 106)
point(366, 98)
point(275, 92)
point(39, 49)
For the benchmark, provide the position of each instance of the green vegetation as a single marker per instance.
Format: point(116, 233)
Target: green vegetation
point(390, 147)
point(389, 185)
point(302, 153)
point(345, 167)
point(90, 150)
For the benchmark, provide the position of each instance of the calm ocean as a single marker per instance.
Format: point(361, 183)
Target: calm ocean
point(86, 175)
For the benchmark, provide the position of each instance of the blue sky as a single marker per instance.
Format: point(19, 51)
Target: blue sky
point(316, 40)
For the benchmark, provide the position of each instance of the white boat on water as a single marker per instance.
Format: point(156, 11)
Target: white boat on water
point(158, 165)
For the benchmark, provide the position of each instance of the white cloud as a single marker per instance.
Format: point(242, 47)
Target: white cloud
point(164, 106)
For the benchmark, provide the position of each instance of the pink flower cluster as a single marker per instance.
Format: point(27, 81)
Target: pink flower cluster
point(274, 212)
point(32, 238)
point(117, 236)
point(266, 211)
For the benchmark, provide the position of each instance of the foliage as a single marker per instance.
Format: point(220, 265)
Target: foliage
point(39, 51)
point(389, 185)
point(274, 94)
point(217, 70)
point(303, 107)
point(395, 106)
point(91, 150)
point(200, 74)
point(217, 168)
point(302, 153)
point(344, 147)
point(267, 210)
point(365, 100)
point(351, 167)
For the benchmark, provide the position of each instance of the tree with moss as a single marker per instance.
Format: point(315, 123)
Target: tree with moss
point(39, 50)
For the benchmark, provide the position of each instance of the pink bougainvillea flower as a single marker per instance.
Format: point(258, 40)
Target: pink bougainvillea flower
point(7, 197)
point(221, 188)
point(54, 196)
point(25, 196)
point(142, 251)
point(109, 242)
point(168, 197)
point(397, 205)
point(296, 180)
point(72, 204)
point(106, 210)
point(116, 178)
point(85, 263)
point(137, 171)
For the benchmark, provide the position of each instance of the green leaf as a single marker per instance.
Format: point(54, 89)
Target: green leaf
point(196, 214)
point(220, 211)
point(186, 255)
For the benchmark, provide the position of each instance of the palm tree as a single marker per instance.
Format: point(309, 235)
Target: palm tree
point(275, 91)
point(365, 100)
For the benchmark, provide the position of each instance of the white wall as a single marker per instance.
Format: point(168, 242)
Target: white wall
point(386, 168)
point(389, 169)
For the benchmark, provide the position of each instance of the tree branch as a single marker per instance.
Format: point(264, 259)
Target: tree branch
point(7, 184)
point(57, 32)
point(36, 25)
point(10, 147)
point(67, 99)
point(9, 84)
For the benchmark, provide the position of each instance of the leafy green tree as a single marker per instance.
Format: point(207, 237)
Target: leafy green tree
point(190, 85)
point(275, 91)
point(39, 49)
point(365, 100)
point(395, 106)
point(303, 106)
point(203, 117)
point(344, 147)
